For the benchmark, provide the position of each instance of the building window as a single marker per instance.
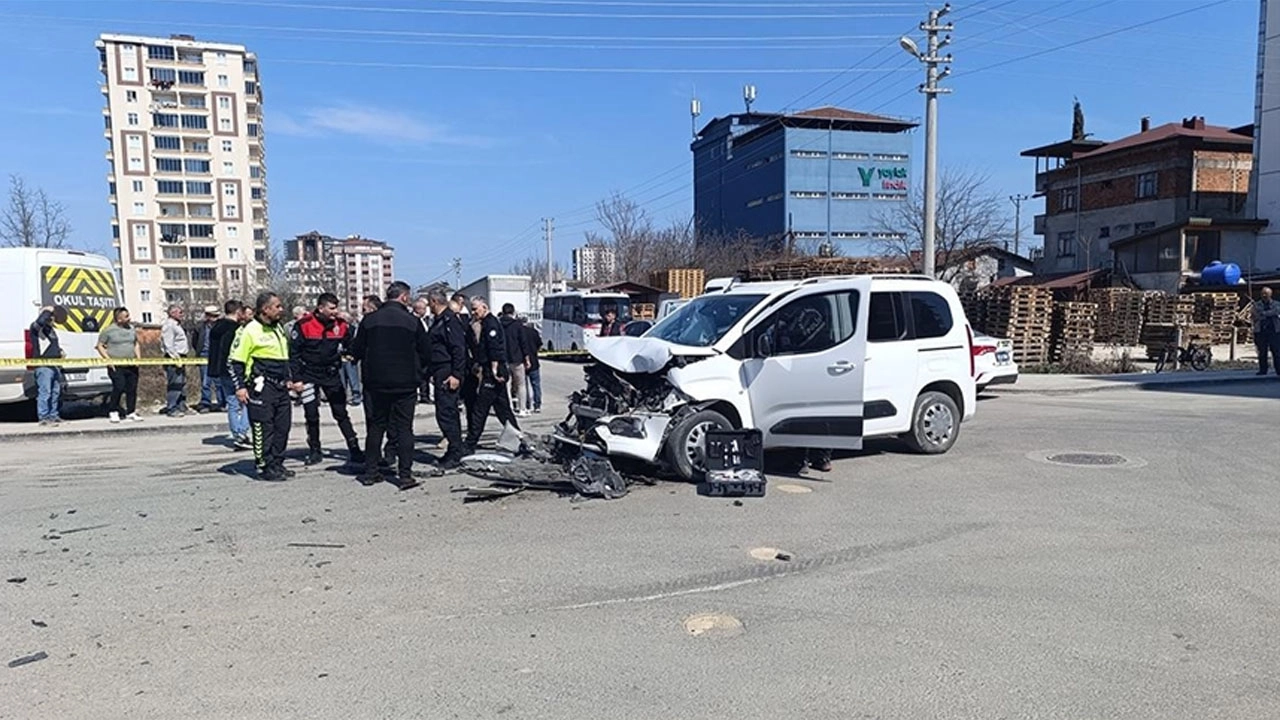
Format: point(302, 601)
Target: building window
point(224, 103)
point(848, 235)
point(255, 193)
point(169, 187)
point(204, 253)
point(174, 274)
point(232, 210)
point(198, 146)
point(233, 253)
point(144, 274)
point(203, 274)
point(808, 154)
point(259, 255)
point(1067, 244)
point(224, 124)
point(1067, 199)
point(135, 164)
point(133, 142)
point(888, 196)
point(226, 146)
point(145, 296)
point(1147, 185)
point(168, 142)
point(224, 81)
point(196, 167)
point(851, 196)
point(164, 120)
point(890, 157)
point(250, 88)
point(228, 168)
point(199, 231)
point(229, 189)
point(190, 77)
point(131, 73)
point(133, 119)
point(195, 122)
point(168, 165)
point(220, 57)
point(808, 194)
point(255, 171)
point(253, 130)
point(259, 235)
point(851, 156)
point(233, 274)
point(196, 101)
point(160, 52)
point(199, 188)
point(160, 76)
point(199, 211)
point(131, 96)
point(137, 186)
point(139, 209)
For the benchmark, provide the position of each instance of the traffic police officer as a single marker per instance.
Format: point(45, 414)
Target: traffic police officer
point(259, 366)
point(490, 355)
point(446, 370)
point(318, 342)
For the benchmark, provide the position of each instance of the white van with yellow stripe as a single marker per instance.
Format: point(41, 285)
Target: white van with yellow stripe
point(32, 278)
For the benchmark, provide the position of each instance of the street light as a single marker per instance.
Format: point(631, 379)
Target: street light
point(931, 60)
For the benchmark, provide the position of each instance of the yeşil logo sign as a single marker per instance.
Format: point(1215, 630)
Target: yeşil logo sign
point(890, 178)
point(88, 294)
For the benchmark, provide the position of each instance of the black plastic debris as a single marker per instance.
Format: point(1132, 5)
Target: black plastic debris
point(17, 579)
point(594, 476)
point(40, 623)
point(28, 659)
point(735, 464)
point(783, 556)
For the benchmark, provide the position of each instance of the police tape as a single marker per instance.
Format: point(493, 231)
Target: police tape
point(181, 362)
point(100, 362)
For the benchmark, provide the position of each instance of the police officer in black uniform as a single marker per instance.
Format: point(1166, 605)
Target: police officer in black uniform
point(490, 359)
point(317, 344)
point(446, 370)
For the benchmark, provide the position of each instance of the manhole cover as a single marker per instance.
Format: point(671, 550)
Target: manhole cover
point(1087, 459)
point(713, 625)
point(793, 489)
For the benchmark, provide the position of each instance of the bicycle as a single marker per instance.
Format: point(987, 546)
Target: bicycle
point(1198, 356)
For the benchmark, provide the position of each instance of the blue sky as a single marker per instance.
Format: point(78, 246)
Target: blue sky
point(450, 127)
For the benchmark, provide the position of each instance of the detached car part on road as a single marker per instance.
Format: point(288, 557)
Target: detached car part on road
point(818, 363)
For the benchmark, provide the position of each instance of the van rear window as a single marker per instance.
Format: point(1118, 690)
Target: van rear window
point(931, 314)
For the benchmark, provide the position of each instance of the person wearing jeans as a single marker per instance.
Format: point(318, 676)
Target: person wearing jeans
point(44, 335)
point(533, 388)
point(221, 338)
point(175, 345)
point(211, 394)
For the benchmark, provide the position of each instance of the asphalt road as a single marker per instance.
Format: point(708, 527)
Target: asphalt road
point(986, 583)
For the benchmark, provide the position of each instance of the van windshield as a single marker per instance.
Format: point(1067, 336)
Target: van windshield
point(704, 320)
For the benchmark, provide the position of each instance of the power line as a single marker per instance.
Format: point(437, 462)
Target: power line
point(723, 5)
point(563, 69)
point(541, 14)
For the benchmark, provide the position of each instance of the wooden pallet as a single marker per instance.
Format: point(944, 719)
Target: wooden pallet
point(688, 282)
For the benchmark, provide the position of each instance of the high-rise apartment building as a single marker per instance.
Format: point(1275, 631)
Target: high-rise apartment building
point(350, 268)
point(187, 170)
point(594, 263)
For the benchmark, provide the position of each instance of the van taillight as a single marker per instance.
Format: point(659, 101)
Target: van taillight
point(980, 350)
point(973, 354)
point(29, 344)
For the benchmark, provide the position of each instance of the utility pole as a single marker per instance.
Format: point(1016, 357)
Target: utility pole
point(548, 234)
point(931, 91)
point(457, 273)
point(1017, 219)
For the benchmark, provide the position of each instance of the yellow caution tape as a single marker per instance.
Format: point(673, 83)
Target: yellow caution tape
point(99, 362)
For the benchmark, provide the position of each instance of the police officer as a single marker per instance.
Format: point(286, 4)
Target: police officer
point(490, 357)
point(317, 344)
point(259, 365)
point(447, 369)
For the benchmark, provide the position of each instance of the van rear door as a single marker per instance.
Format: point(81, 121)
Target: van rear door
point(804, 367)
point(86, 286)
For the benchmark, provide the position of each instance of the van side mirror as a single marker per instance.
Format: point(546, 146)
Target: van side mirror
point(764, 345)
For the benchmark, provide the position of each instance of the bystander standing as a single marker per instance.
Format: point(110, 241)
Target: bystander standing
point(1266, 331)
point(175, 345)
point(119, 341)
point(44, 336)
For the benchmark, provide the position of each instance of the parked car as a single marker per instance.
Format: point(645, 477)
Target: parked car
point(818, 363)
point(993, 362)
point(636, 328)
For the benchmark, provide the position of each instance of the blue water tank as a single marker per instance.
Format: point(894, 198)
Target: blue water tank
point(1219, 273)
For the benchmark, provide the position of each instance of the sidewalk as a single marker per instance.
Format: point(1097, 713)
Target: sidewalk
point(1072, 384)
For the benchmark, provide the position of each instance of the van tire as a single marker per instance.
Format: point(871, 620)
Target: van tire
point(687, 462)
point(935, 424)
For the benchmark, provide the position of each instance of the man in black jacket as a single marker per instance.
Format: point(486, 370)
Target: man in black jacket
point(490, 356)
point(317, 343)
point(534, 340)
point(392, 348)
point(447, 369)
point(517, 356)
point(221, 336)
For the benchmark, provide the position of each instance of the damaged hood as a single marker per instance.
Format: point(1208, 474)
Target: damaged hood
point(639, 354)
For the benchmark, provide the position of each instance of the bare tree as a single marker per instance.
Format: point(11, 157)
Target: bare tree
point(536, 268)
point(971, 216)
point(31, 219)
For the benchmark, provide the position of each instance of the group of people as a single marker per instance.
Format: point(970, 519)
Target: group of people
point(469, 357)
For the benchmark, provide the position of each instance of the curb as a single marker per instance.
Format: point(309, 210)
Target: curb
point(103, 432)
point(1141, 385)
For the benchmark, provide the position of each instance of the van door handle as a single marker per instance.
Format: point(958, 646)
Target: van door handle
point(840, 367)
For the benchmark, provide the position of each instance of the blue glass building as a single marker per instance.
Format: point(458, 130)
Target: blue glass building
point(825, 174)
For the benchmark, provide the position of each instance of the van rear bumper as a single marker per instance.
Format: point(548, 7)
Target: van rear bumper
point(13, 385)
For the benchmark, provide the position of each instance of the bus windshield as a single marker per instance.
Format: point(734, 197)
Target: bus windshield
point(596, 306)
point(704, 320)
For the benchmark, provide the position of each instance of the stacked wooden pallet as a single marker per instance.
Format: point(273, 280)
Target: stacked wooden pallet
point(802, 268)
point(1219, 311)
point(1119, 315)
point(974, 304)
point(688, 282)
point(1165, 309)
point(1074, 324)
point(1244, 324)
point(642, 311)
point(1024, 315)
point(1158, 336)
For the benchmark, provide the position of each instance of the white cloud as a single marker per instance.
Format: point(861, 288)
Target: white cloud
point(370, 123)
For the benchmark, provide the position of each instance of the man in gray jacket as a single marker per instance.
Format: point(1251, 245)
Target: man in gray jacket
point(1266, 331)
point(175, 344)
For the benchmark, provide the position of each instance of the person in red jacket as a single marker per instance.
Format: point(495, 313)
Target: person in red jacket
point(318, 342)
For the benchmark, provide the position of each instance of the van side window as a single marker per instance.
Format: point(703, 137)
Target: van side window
point(814, 323)
point(886, 321)
point(930, 313)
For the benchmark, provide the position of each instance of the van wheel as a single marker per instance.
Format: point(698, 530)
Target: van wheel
point(687, 442)
point(934, 424)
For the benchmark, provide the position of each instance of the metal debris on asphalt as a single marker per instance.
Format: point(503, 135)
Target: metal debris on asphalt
point(316, 545)
point(28, 659)
point(87, 528)
point(40, 623)
point(492, 492)
point(784, 556)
